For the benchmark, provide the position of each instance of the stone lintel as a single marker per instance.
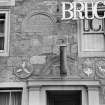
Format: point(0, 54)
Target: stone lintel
point(63, 83)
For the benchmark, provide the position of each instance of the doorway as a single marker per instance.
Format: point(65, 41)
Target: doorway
point(64, 97)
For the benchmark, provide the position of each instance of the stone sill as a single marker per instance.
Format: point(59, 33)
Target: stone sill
point(7, 3)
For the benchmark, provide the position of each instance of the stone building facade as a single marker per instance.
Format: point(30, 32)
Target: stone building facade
point(30, 62)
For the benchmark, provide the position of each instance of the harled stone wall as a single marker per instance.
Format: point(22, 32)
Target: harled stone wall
point(35, 29)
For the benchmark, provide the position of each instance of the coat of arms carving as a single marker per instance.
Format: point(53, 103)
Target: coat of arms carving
point(24, 70)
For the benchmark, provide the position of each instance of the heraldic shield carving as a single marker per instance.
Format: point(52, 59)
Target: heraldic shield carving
point(100, 64)
point(24, 70)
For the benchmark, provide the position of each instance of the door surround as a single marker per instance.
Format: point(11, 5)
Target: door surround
point(38, 89)
point(63, 88)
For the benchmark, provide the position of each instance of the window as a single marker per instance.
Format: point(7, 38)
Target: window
point(10, 96)
point(92, 36)
point(4, 33)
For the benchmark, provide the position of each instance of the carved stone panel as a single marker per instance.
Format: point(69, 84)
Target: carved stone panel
point(39, 23)
point(100, 70)
point(88, 68)
point(24, 70)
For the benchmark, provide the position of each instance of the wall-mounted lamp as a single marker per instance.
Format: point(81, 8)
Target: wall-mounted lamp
point(58, 19)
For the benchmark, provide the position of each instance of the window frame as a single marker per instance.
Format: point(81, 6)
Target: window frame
point(12, 85)
point(87, 53)
point(5, 52)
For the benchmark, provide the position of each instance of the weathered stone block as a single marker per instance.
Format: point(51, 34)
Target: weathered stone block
point(74, 48)
point(35, 42)
point(14, 61)
point(18, 28)
point(38, 60)
point(3, 61)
